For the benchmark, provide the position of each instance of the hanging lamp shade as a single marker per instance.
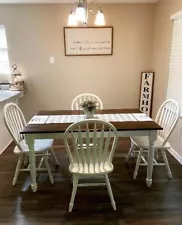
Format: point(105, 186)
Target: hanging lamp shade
point(80, 12)
point(72, 21)
point(100, 20)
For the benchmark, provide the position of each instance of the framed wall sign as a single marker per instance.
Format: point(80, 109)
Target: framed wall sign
point(146, 92)
point(84, 41)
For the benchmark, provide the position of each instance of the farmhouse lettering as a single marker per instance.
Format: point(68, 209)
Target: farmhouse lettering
point(146, 93)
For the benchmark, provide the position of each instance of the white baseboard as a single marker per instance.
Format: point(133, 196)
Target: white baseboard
point(175, 155)
point(2, 150)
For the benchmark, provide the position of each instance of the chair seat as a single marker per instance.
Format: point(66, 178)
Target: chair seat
point(91, 169)
point(143, 142)
point(40, 145)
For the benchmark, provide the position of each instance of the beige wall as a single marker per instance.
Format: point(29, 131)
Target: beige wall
point(35, 32)
point(161, 58)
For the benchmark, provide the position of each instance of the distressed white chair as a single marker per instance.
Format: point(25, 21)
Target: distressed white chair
point(167, 117)
point(15, 122)
point(87, 161)
point(86, 96)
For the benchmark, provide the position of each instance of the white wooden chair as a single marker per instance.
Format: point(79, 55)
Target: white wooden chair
point(87, 161)
point(15, 122)
point(167, 117)
point(82, 97)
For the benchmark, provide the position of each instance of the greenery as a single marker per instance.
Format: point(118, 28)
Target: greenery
point(89, 105)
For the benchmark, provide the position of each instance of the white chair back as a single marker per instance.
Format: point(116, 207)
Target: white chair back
point(82, 97)
point(167, 117)
point(15, 122)
point(90, 145)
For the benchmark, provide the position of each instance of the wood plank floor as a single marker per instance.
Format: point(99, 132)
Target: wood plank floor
point(136, 204)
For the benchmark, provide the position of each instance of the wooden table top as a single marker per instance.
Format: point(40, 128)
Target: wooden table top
point(61, 127)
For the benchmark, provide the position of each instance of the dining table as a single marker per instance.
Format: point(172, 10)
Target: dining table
point(51, 124)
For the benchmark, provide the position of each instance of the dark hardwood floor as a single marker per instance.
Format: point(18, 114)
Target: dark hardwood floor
point(136, 204)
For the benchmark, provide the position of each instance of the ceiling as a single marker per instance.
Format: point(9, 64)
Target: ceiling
point(72, 1)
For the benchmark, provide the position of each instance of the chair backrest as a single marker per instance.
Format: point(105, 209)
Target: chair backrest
point(167, 117)
point(90, 144)
point(15, 122)
point(82, 97)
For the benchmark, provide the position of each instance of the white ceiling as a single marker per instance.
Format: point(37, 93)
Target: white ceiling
point(72, 1)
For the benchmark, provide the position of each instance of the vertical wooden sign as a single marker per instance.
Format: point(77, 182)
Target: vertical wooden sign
point(146, 92)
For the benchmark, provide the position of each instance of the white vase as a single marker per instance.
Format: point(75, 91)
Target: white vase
point(89, 114)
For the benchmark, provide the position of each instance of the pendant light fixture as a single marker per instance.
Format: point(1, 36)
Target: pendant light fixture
point(81, 13)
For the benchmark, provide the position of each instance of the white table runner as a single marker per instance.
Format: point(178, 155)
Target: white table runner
point(142, 117)
point(122, 117)
point(38, 120)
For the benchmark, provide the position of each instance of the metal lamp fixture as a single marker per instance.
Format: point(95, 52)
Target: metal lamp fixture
point(80, 15)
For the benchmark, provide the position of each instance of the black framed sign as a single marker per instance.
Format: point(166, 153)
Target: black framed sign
point(146, 92)
point(88, 41)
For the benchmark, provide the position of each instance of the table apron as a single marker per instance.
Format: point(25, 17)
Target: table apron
point(130, 133)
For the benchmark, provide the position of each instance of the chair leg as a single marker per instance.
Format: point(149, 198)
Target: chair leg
point(25, 160)
point(138, 163)
point(167, 163)
point(54, 156)
point(40, 163)
point(157, 154)
point(110, 192)
point(48, 167)
point(20, 158)
point(75, 185)
point(130, 151)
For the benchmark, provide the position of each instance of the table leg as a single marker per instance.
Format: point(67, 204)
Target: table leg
point(30, 143)
point(152, 139)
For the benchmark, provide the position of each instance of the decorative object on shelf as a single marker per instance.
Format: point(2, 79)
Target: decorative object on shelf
point(89, 107)
point(80, 14)
point(84, 41)
point(16, 82)
point(146, 92)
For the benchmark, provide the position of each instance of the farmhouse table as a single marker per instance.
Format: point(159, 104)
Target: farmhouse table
point(56, 130)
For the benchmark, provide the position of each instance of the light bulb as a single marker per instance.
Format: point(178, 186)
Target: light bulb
point(100, 20)
point(72, 19)
point(80, 13)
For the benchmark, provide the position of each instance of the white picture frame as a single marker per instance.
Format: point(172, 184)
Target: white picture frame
point(88, 41)
point(146, 92)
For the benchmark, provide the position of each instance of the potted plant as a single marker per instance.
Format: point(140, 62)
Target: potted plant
point(89, 107)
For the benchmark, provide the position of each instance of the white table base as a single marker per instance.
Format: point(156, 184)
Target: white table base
point(152, 135)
